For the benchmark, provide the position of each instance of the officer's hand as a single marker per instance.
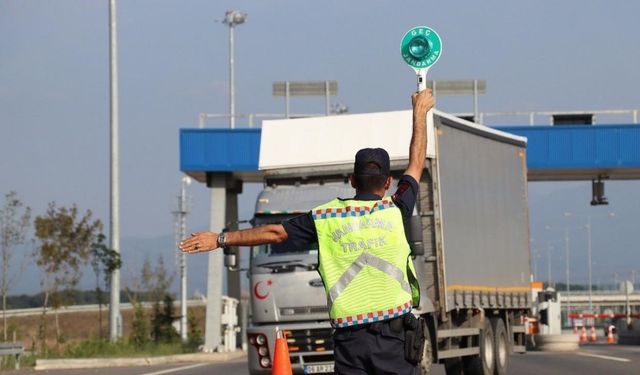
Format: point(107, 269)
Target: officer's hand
point(199, 242)
point(422, 101)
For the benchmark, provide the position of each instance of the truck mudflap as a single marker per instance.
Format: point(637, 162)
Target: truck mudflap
point(310, 347)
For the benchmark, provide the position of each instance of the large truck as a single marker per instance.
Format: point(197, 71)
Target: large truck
point(469, 238)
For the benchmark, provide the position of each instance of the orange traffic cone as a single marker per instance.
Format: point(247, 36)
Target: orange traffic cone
point(583, 336)
point(610, 338)
point(281, 360)
point(593, 334)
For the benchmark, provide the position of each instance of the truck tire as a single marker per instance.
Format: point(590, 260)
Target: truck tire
point(502, 346)
point(484, 363)
point(453, 366)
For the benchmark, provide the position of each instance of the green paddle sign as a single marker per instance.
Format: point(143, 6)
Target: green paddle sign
point(421, 47)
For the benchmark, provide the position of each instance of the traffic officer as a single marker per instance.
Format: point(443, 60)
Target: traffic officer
point(364, 257)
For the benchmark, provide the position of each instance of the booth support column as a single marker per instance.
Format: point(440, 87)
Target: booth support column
point(212, 338)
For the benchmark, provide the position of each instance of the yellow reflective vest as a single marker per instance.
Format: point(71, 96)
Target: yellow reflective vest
point(364, 261)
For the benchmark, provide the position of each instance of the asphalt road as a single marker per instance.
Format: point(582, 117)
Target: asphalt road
point(590, 359)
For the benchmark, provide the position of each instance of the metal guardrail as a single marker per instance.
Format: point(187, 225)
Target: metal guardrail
point(86, 308)
point(530, 116)
point(599, 299)
point(14, 349)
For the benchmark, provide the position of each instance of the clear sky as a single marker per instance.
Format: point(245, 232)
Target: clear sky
point(173, 61)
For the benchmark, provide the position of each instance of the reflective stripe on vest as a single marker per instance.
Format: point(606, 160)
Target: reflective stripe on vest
point(365, 261)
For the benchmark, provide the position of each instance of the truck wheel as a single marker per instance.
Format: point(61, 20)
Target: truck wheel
point(502, 346)
point(453, 366)
point(424, 368)
point(484, 363)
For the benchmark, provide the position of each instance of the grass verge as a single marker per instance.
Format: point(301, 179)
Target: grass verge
point(98, 348)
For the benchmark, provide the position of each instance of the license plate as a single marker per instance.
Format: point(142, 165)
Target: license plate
point(319, 368)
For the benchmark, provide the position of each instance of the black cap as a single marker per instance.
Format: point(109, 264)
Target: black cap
point(372, 162)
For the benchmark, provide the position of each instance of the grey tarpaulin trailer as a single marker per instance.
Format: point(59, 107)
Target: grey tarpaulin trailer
point(474, 269)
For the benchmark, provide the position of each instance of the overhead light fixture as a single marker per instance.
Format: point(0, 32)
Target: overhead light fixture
point(597, 192)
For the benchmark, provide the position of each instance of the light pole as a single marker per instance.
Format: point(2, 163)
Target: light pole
point(537, 254)
point(115, 321)
point(567, 265)
point(548, 249)
point(232, 18)
point(181, 232)
point(589, 262)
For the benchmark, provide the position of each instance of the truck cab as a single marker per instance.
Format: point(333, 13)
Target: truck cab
point(287, 293)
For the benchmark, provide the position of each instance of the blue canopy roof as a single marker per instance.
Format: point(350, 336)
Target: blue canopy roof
point(573, 152)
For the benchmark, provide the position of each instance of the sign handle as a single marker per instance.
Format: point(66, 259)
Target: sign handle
point(422, 79)
point(422, 85)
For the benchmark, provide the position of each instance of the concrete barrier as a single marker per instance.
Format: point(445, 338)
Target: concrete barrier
point(67, 364)
point(556, 343)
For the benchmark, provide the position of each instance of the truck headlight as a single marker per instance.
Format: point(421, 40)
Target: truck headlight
point(261, 340)
point(265, 362)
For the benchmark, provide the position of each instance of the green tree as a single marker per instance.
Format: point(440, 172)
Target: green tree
point(154, 285)
point(65, 238)
point(103, 260)
point(162, 323)
point(156, 282)
point(14, 221)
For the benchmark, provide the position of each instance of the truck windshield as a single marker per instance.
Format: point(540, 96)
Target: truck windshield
point(285, 248)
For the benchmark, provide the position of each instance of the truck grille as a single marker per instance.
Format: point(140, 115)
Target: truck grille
point(303, 310)
point(310, 345)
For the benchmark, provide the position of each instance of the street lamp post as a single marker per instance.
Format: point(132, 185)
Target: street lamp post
point(589, 261)
point(589, 251)
point(549, 248)
point(232, 18)
point(567, 265)
point(567, 261)
point(181, 232)
point(115, 319)
point(535, 264)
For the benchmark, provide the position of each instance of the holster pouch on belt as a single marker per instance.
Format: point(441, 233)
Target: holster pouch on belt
point(414, 338)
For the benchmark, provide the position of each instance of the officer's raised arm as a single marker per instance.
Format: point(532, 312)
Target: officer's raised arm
point(422, 102)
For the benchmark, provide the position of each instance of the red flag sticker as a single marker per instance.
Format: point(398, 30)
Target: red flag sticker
point(260, 292)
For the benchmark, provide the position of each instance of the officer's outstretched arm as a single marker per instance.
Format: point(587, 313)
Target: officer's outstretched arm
point(422, 102)
point(207, 241)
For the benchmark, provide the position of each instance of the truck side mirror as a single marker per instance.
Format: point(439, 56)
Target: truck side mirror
point(544, 317)
point(231, 258)
point(414, 235)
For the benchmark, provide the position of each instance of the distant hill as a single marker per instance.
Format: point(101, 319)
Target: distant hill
point(614, 241)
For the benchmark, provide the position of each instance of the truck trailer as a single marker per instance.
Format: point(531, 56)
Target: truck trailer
point(469, 238)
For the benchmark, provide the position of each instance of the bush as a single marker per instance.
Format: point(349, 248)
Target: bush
point(139, 327)
point(195, 335)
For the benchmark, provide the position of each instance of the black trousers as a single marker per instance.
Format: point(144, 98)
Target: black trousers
point(371, 349)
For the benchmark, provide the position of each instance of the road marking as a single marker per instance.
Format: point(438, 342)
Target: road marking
point(618, 359)
point(177, 369)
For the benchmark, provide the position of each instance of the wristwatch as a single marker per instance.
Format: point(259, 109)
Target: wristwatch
point(222, 238)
